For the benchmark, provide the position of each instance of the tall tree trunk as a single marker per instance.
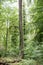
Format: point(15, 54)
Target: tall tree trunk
point(21, 45)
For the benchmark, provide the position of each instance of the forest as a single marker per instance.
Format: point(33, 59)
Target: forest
point(21, 32)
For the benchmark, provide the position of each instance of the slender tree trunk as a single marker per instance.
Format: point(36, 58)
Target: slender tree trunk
point(6, 39)
point(21, 45)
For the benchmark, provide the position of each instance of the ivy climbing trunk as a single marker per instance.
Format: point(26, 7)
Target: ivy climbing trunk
point(21, 45)
point(24, 16)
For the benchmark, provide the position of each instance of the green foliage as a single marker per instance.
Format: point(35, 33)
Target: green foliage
point(33, 37)
point(28, 62)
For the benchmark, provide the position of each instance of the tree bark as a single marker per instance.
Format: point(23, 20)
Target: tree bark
point(21, 45)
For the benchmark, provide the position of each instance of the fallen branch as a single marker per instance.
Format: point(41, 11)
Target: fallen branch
point(7, 63)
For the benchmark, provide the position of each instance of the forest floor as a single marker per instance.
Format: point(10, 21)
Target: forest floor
point(16, 61)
